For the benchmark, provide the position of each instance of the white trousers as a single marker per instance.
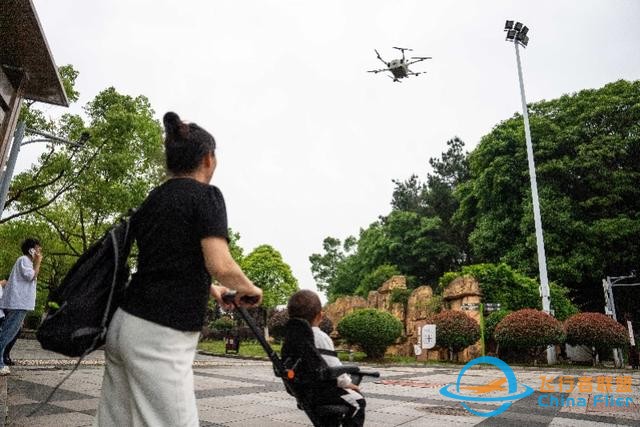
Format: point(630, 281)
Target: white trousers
point(148, 376)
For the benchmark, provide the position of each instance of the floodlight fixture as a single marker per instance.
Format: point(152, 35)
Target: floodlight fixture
point(517, 33)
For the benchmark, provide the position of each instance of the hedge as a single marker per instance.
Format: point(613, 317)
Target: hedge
point(595, 330)
point(529, 329)
point(455, 330)
point(373, 330)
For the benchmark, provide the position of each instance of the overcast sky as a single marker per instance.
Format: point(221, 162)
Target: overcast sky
point(308, 141)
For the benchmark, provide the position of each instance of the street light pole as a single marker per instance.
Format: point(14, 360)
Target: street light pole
point(21, 129)
point(11, 164)
point(518, 35)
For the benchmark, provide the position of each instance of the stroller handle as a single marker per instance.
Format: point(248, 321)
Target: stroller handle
point(230, 297)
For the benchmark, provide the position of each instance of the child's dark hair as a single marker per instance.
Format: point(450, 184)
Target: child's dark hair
point(185, 144)
point(29, 243)
point(304, 304)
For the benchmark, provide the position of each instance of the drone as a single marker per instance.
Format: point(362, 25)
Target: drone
point(400, 67)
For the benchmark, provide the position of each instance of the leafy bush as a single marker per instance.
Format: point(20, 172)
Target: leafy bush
point(597, 331)
point(223, 324)
point(277, 323)
point(433, 305)
point(455, 330)
point(491, 321)
point(513, 290)
point(529, 329)
point(400, 296)
point(373, 330)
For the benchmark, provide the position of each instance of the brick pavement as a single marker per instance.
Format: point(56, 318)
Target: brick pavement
point(237, 392)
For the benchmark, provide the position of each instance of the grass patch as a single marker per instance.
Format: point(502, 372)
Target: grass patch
point(248, 348)
point(252, 348)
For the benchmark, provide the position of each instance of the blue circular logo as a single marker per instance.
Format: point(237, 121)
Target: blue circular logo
point(510, 378)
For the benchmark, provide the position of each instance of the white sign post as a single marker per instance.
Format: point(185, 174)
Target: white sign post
point(428, 336)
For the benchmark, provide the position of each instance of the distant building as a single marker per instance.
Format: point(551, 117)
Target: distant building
point(27, 69)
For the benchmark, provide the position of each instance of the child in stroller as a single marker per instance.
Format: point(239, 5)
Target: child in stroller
point(303, 306)
point(307, 376)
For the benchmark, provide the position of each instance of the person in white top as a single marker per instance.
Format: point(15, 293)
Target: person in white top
point(305, 304)
point(19, 294)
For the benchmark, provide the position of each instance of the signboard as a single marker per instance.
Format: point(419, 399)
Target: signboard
point(632, 340)
point(428, 336)
point(473, 306)
point(417, 350)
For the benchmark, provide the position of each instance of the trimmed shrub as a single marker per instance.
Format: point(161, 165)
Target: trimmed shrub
point(595, 330)
point(373, 330)
point(529, 329)
point(455, 330)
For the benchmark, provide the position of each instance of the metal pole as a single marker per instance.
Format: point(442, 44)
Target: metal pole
point(542, 261)
point(11, 164)
point(612, 309)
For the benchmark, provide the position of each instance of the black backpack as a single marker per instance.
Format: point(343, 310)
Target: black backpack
point(80, 309)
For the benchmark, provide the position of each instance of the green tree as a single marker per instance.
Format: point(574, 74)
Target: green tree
point(410, 242)
point(266, 269)
point(377, 277)
point(587, 147)
point(71, 195)
point(324, 267)
point(513, 290)
point(237, 253)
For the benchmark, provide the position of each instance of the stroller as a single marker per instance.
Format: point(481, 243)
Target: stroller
point(302, 369)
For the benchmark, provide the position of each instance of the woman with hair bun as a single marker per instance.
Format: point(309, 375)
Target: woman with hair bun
point(182, 238)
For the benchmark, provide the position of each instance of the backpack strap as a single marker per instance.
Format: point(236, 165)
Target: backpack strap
point(328, 352)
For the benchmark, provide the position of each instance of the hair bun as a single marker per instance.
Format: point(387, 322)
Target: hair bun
point(172, 123)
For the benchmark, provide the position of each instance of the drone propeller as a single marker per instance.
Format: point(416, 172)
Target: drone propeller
point(380, 58)
point(402, 48)
point(422, 58)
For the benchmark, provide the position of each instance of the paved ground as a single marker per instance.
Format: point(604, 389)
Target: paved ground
point(235, 392)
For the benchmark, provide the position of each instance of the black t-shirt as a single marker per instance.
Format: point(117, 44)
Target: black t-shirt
point(171, 284)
